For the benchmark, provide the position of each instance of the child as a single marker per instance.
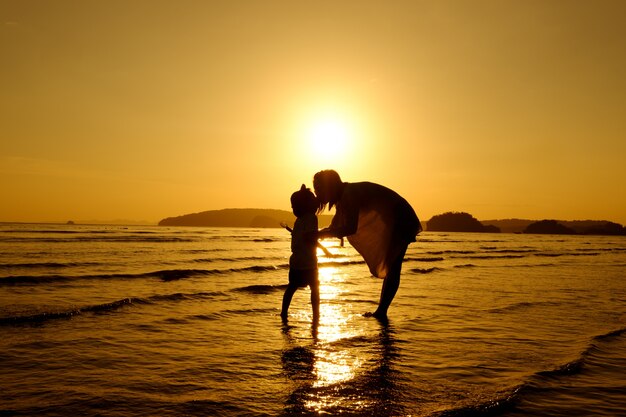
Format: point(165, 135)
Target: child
point(303, 260)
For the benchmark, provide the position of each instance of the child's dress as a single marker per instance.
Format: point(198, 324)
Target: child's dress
point(303, 260)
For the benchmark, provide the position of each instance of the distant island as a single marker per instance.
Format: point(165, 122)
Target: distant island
point(238, 217)
point(579, 227)
point(446, 222)
point(465, 222)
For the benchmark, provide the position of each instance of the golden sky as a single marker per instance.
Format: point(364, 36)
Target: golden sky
point(146, 109)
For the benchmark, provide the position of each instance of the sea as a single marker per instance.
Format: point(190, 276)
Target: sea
point(117, 320)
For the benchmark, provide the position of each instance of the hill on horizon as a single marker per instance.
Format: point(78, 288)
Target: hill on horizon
point(459, 222)
point(238, 217)
point(576, 226)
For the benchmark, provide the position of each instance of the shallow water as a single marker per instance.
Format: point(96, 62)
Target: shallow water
point(128, 321)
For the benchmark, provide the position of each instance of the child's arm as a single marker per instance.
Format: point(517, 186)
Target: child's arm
point(314, 235)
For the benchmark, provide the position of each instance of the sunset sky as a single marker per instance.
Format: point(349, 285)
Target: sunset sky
point(142, 110)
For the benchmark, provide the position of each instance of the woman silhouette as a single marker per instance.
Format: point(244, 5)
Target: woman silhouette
point(378, 223)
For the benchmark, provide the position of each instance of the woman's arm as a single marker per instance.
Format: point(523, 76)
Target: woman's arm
point(346, 220)
point(326, 233)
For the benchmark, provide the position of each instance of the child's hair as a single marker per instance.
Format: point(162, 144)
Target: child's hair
point(303, 201)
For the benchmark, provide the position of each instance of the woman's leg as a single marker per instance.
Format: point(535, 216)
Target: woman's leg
point(390, 286)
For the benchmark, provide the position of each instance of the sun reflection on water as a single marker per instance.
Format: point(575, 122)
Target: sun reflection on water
point(329, 364)
point(333, 364)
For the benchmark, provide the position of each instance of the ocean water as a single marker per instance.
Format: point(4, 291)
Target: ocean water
point(147, 321)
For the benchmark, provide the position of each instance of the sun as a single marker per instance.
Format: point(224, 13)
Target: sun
point(329, 138)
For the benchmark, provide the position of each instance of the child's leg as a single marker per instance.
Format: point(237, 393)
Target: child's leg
point(314, 284)
point(289, 292)
point(315, 299)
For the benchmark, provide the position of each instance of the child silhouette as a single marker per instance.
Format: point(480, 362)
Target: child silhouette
point(303, 260)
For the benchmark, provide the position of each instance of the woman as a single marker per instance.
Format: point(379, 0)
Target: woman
point(378, 223)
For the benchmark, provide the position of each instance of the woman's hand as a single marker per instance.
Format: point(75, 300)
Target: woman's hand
point(325, 233)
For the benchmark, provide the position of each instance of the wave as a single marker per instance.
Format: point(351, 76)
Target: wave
point(523, 305)
point(468, 241)
point(43, 265)
point(489, 408)
point(443, 252)
point(115, 239)
point(340, 263)
point(47, 316)
point(184, 296)
point(424, 259)
point(204, 250)
point(40, 318)
point(233, 312)
point(351, 342)
point(510, 254)
point(358, 301)
point(261, 289)
point(176, 274)
point(512, 250)
point(425, 270)
point(33, 279)
point(558, 254)
point(238, 259)
point(508, 400)
point(600, 249)
point(490, 256)
point(164, 275)
point(546, 264)
point(550, 255)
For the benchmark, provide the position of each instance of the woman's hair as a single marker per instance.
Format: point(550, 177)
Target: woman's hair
point(328, 186)
point(303, 201)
